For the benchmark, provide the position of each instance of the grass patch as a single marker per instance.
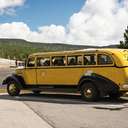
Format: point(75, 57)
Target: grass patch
point(3, 90)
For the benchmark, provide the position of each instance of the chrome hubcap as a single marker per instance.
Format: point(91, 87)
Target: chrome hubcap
point(12, 88)
point(88, 93)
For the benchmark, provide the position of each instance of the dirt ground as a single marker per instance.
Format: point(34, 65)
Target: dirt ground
point(5, 70)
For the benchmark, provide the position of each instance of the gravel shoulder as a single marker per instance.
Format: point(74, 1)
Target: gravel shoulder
point(5, 70)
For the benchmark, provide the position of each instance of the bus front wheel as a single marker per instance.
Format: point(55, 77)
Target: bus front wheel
point(12, 88)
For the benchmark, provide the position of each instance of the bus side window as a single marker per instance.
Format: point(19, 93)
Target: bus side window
point(58, 61)
point(90, 59)
point(43, 61)
point(104, 59)
point(74, 60)
point(31, 62)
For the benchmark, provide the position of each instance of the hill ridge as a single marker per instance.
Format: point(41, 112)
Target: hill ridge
point(19, 48)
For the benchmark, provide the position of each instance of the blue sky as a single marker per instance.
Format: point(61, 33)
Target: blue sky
point(36, 13)
point(81, 22)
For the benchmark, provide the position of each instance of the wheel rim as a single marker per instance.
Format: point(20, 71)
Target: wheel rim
point(12, 88)
point(88, 92)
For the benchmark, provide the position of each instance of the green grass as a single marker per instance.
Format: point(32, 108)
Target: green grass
point(3, 90)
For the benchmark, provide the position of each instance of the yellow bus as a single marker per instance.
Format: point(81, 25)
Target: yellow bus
point(94, 73)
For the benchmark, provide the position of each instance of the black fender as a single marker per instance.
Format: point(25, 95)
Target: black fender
point(16, 78)
point(103, 84)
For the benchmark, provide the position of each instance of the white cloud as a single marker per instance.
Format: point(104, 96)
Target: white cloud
point(14, 30)
point(20, 30)
point(7, 6)
point(50, 34)
point(99, 22)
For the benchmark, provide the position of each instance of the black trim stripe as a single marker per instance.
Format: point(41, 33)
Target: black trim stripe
point(51, 86)
point(58, 67)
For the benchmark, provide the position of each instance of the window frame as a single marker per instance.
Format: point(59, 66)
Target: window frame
point(90, 65)
point(42, 66)
point(58, 65)
point(77, 55)
point(28, 61)
point(106, 65)
point(71, 55)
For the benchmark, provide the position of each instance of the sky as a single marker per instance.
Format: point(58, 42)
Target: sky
point(79, 22)
point(37, 13)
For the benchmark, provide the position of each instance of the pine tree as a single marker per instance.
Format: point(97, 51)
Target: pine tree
point(124, 44)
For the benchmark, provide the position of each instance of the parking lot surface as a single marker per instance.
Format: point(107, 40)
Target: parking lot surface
point(69, 111)
point(15, 114)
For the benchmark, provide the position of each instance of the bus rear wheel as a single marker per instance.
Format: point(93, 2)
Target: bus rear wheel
point(115, 96)
point(89, 92)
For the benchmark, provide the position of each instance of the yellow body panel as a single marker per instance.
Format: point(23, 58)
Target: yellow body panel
point(59, 76)
point(70, 75)
point(30, 76)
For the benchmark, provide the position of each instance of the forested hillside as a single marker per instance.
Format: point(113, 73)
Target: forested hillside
point(16, 48)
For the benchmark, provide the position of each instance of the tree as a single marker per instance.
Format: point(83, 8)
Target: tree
point(124, 44)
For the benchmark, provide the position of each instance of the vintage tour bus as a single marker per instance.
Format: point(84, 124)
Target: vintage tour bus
point(94, 73)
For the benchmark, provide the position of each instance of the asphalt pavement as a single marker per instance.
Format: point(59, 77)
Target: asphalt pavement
point(15, 114)
point(49, 110)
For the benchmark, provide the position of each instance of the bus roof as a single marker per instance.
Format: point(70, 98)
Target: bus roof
point(90, 50)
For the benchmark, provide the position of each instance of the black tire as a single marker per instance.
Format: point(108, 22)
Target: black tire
point(115, 96)
point(37, 92)
point(89, 92)
point(12, 88)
